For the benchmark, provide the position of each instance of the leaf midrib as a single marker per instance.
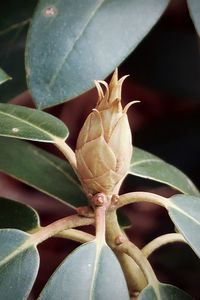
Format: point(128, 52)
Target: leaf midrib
point(28, 243)
point(93, 13)
point(144, 161)
point(15, 26)
point(99, 247)
point(177, 208)
point(53, 137)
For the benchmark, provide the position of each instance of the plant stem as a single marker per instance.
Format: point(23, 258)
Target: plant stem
point(134, 252)
point(76, 235)
point(58, 226)
point(100, 224)
point(67, 152)
point(134, 276)
point(142, 197)
point(161, 241)
point(100, 202)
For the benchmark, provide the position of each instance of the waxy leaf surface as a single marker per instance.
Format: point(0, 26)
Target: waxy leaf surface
point(3, 76)
point(89, 272)
point(194, 10)
point(18, 264)
point(166, 291)
point(149, 166)
point(41, 170)
point(80, 41)
point(185, 213)
point(32, 124)
point(17, 215)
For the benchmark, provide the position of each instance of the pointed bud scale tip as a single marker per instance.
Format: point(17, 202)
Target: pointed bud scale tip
point(104, 145)
point(126, 108)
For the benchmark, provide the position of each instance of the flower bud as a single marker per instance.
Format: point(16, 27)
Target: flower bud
point(104, 145)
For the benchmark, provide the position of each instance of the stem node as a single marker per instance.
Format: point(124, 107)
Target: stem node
point(120, 239)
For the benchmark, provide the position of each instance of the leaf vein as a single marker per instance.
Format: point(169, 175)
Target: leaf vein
point(54, 77)
point(30, 124)
point(14, 26)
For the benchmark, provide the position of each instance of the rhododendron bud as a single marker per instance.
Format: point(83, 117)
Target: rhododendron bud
point(104, 145)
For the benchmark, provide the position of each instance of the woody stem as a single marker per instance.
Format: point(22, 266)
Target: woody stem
point(134, 276)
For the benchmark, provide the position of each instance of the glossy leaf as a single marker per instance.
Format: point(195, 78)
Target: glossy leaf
point(32, 124)
point(81, 41)
point(184, 212)
point(3, 76)
point(14, 20)
point(149, 166)
point(18, 264)
point(41, 170)
point(17, 215)
point(87, 273)
point(167, 292)
point(194, 10)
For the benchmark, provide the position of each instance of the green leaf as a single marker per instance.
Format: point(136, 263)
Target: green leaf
point(32, 124)
point(81, 41)
point(19, 264)
point(3, 76)
point(17, 215)
point(14, 20)
point(167, 292)
point(89, 272)
point(149, 166)
point(184, 212)
point(41, 170)
point(194, 10)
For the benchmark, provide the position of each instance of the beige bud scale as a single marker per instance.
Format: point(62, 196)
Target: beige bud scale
point(104, 145)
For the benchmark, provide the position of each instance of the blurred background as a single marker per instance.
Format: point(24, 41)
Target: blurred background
point(165, 76)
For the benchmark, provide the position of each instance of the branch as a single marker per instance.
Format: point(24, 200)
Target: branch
point(58, 226)
point(161, 241)
point(133, 251)
point(142, 197)
point(76, 235)
point(134, 276)
point(100, 202)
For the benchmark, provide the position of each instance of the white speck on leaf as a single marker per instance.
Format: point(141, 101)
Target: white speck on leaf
point(50, 11)
point(15, 129)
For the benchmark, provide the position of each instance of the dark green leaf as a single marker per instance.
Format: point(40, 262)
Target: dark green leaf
point(194, 10)
point(32, 124)
point(185, 213)
point(19, 264)
point(87, 273)
point(3, 76)
point(149, 166)
point(41, 170)
point(14, 20)
point(167, 292)
point(81, 41)
point(17, 215)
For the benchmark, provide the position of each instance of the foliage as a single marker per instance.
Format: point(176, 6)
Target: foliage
point(69, 44)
